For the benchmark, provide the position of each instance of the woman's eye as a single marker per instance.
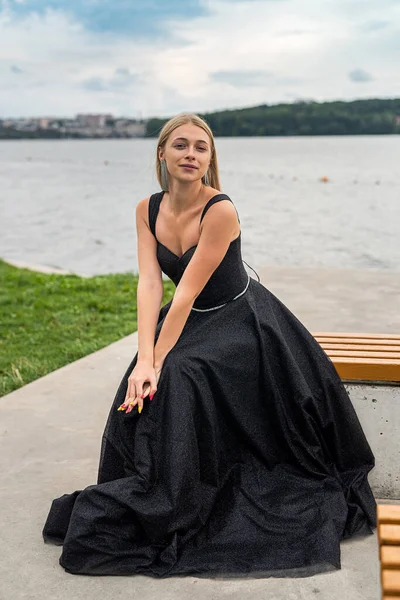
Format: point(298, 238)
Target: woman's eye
point(183, 145)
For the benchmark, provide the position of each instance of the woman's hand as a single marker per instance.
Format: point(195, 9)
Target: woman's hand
point(141, 383)
point(146, 387)
point(157, 369)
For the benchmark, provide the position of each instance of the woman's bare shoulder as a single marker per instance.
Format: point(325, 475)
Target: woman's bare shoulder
point(222, 212)
point(214, 192)
point(211, 192)
point(142, 208)
point(143, 203)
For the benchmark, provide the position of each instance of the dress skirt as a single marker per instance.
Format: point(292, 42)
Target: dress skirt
point(250, 460)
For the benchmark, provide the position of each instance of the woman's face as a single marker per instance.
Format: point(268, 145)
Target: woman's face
point(187, 153)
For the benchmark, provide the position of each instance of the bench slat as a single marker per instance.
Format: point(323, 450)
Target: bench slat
point(388, 513)
point(364, 354)
point(391, 581)
point(365, 371)
point(390, 557)
point(389, 534)
point(366, 361)
point(388, 521)
point(356, 340)
point(363, 336)
point(371, 347)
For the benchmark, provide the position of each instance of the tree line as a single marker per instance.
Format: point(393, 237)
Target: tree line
point(358, 117)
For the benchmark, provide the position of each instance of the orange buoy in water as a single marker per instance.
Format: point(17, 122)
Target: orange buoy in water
point(324, 179)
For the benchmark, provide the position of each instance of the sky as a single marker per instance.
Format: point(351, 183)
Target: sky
point(145, 58)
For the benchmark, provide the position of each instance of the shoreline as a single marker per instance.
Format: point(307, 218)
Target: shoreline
point(322, 298)
point(42, 268)
point(227, 136)
point(21, 264)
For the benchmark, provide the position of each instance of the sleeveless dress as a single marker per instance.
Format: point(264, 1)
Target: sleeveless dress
point(250, 460)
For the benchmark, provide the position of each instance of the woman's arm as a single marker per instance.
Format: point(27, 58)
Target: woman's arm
point(219, 224)
point(150, 288)
point(149, 298)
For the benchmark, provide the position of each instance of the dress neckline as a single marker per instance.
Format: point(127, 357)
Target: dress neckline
point(201, 217)
point(191, 248)
point(173, 253)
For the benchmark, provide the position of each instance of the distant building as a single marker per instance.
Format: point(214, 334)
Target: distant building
point(44, 122)
point(129, 128)
point(83, 125)
point(91, 121)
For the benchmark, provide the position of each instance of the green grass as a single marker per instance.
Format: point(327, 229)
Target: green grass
point(50, 320)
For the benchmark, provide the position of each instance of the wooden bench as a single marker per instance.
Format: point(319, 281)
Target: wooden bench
point(388, 521)
point(373, 358)
point(363, 356)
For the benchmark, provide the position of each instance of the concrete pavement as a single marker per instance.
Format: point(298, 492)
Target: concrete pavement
point(348, 300)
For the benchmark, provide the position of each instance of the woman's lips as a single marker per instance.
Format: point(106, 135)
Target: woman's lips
point(188, 167)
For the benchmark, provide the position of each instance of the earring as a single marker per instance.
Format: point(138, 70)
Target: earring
point(206, 180)
point(164, 175)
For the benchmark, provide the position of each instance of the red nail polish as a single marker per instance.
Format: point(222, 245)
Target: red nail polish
point(151, 396)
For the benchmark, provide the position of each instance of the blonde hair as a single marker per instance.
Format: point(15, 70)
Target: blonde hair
point(183, 119)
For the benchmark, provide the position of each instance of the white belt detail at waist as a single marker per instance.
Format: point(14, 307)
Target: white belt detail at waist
point(221, 305)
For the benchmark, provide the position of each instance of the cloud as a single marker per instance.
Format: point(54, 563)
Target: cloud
point(241, 78)
point(126, 17)
point(197, 55)
point(249, 78)
point(293, 32)
point(15, 69)
point(375, 26)
point(360, 76)
point(121, 80)
point(230, 2)
point(95, 84)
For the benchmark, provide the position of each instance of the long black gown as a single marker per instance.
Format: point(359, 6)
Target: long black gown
point(250, 460)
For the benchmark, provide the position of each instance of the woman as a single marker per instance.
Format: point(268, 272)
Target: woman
point(232, 447)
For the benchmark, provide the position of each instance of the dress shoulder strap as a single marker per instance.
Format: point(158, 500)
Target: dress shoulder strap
point(213, 200)
point(154, 205)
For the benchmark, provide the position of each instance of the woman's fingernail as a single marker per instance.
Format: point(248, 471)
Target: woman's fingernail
point(151, 396)
point(139, 409)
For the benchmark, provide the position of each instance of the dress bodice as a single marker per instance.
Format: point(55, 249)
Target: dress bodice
point(228, 279)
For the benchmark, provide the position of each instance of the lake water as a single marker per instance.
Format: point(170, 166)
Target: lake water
point(71, 203)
